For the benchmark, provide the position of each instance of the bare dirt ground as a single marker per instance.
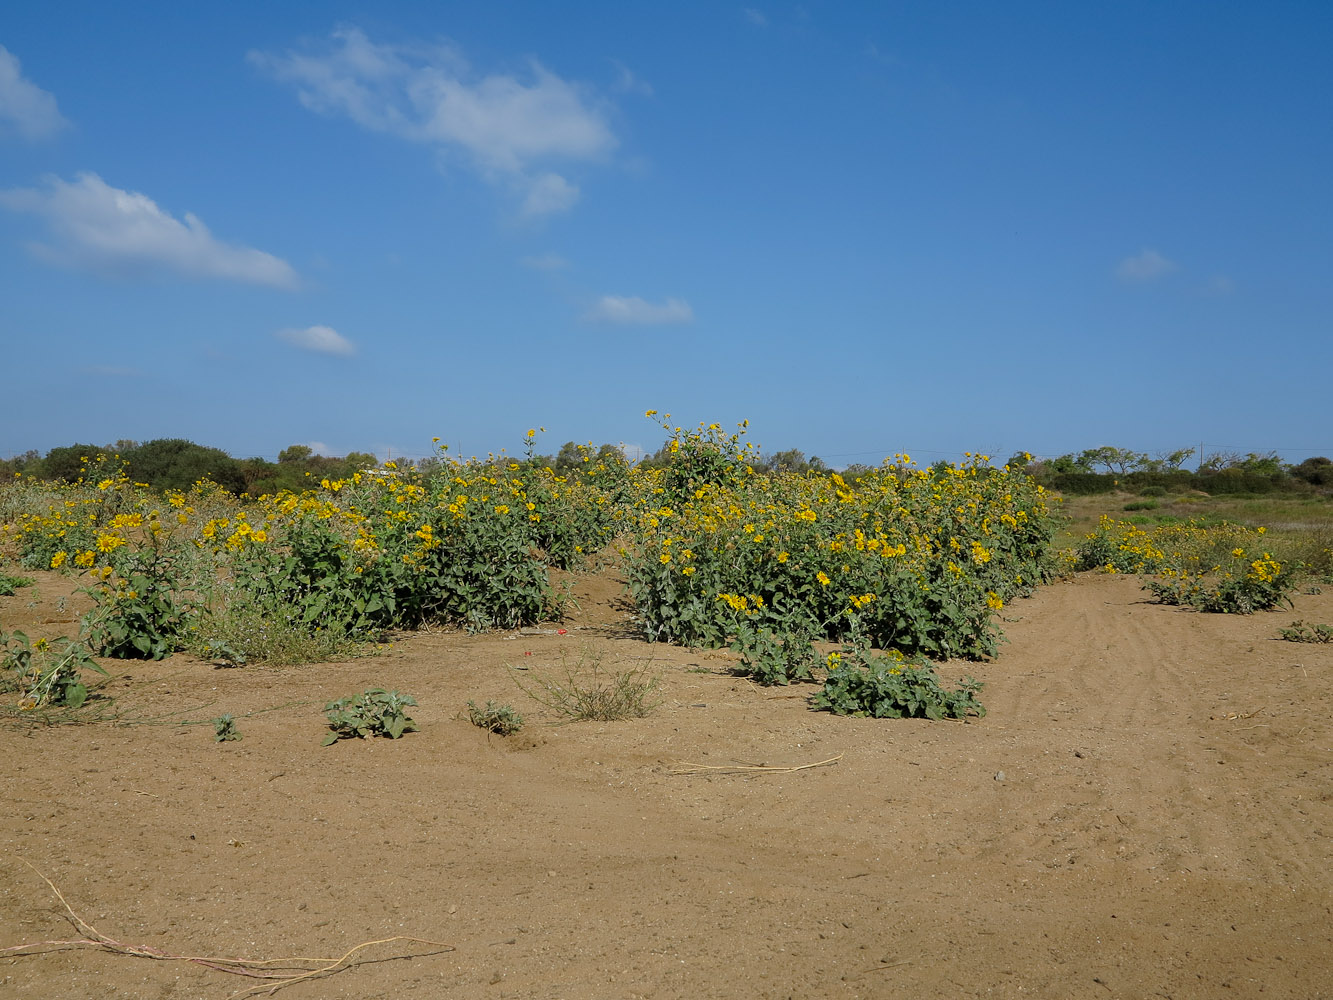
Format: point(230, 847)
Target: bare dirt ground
point(1145, 812)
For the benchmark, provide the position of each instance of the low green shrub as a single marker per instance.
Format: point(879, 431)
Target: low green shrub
point(771, 658)
point(48, 672)
point(1299, 631)
point(499, 719)
point(892, 686)
point(9, 584)
point(1262, 585)
point(374, 712)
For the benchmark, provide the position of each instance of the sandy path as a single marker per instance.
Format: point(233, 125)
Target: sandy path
point(1161, 829)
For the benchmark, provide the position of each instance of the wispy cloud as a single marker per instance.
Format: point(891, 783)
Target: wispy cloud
point(1147, 265)
point(505, 126)
point(318, 340)
point(755, 16)
point(100, 226)
point(25, 107)
point(546, 262)
point(628, 83)
point(634, 311)
point(1219, 284)
point(549, 193)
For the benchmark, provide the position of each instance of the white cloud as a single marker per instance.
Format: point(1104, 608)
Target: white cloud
point(550, 193)
point(505, 126)
point(1219, 284)
point(755, 16)
point(1145, 266)
point(546, 262)
point(318, 339)
point(24, 106)
point(104, 227)
point(634, 311)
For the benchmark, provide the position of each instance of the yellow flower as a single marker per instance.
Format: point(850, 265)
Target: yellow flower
point(993, 601)
point(689, 571)
point(783, 557)
point(85, 559)
point(109, 543)
point(822, 577)
point(58, 560)
point(664, 558)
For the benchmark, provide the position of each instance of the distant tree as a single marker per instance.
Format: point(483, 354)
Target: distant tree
point(1266, 463)
point(29, 462)
point(1117, 460)
point(791, 460)
point(568, 458)
point(1315, 471)
point(1168, 461)
point(68, 463)
point(174, 463)
point(1064, 464)
point(296, 453)
point(1219, 460)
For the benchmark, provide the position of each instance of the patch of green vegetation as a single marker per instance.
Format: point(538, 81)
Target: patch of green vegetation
point(862, 683)
point(224, 729)
point(499, 719)
point(1299, 631)
point(373, 712)
point(9, 584)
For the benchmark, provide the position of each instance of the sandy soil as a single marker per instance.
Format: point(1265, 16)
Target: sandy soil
point(1145, 812)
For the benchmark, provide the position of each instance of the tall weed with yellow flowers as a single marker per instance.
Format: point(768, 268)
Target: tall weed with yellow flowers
point(917, 560)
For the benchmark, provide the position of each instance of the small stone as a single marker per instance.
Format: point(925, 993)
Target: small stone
point(999, 775)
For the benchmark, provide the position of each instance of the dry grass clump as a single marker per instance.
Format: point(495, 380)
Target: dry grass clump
point(586, 692)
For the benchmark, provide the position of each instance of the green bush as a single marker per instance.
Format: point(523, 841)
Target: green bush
point(499, 719)
point(893, 687)
point(374, 712)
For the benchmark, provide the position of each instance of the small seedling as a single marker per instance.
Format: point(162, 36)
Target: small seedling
point(499, 719)
point(224, 729)
point(374, 712)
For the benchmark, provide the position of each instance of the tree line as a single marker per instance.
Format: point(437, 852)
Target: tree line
point(175, 463)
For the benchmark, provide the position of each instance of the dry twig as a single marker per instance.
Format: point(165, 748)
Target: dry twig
point(684, 767)
point(280, 972)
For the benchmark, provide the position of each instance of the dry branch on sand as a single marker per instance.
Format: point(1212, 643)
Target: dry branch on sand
point(684, 767)
point(279, 972)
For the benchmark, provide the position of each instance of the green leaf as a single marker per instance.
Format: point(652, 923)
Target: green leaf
point(329, 740)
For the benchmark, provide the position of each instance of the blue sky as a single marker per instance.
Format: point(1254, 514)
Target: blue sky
point(866, 228)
